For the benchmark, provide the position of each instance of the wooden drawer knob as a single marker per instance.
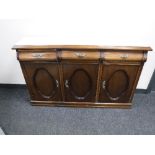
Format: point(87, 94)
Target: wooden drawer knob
point(80, 54)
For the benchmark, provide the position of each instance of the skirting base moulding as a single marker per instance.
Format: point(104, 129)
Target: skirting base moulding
point(81, 75)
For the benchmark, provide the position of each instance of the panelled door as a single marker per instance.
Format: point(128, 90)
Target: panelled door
point(43, 80)
point(117, 82)
point(80, 81)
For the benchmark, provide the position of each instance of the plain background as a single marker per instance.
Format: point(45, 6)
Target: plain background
point(128, 22)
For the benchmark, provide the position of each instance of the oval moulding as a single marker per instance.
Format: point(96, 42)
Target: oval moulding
point(44, 83)
point(80, 84)
point(116, 89)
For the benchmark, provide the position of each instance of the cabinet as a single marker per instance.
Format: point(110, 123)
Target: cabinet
point(80, 81)
point(117, 82)
point(80, 75)
point(43, 80)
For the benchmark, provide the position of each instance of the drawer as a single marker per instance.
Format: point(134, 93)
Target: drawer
point(80, 55)
point(29, 56)
point(123, 56)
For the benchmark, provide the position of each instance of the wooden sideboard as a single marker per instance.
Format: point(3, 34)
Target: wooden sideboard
point(81, 75)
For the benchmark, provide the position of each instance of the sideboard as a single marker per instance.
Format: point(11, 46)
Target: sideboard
point(81, 75)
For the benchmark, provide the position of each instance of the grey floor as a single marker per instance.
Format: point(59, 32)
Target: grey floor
point(18, 117)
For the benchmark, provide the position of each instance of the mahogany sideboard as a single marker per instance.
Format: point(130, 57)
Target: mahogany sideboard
point(81, 75)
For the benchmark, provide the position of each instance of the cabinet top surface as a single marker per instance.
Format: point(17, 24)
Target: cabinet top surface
point(47, 43)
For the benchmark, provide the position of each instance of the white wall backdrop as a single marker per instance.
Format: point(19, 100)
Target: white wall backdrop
point(103, 22)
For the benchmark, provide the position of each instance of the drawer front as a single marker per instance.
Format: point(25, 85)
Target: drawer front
point(29, 56)
point(123, 56)
point(80, 55)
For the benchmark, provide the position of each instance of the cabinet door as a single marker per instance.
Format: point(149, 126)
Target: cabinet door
point(117, 82)
point(80, 82)
point(43, 80)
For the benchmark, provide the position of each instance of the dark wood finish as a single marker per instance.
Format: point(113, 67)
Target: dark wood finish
point(90, 47)
point(43, 80)
point(80, 81)
point(80, 75)
point(37, 55)
point(81, 104)
point(117, 82)
point(80, 55)
point(123, 56)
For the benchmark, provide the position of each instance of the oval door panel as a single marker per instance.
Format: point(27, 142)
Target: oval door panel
point(117, 84)
point(44, 83)
point(80, 84)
